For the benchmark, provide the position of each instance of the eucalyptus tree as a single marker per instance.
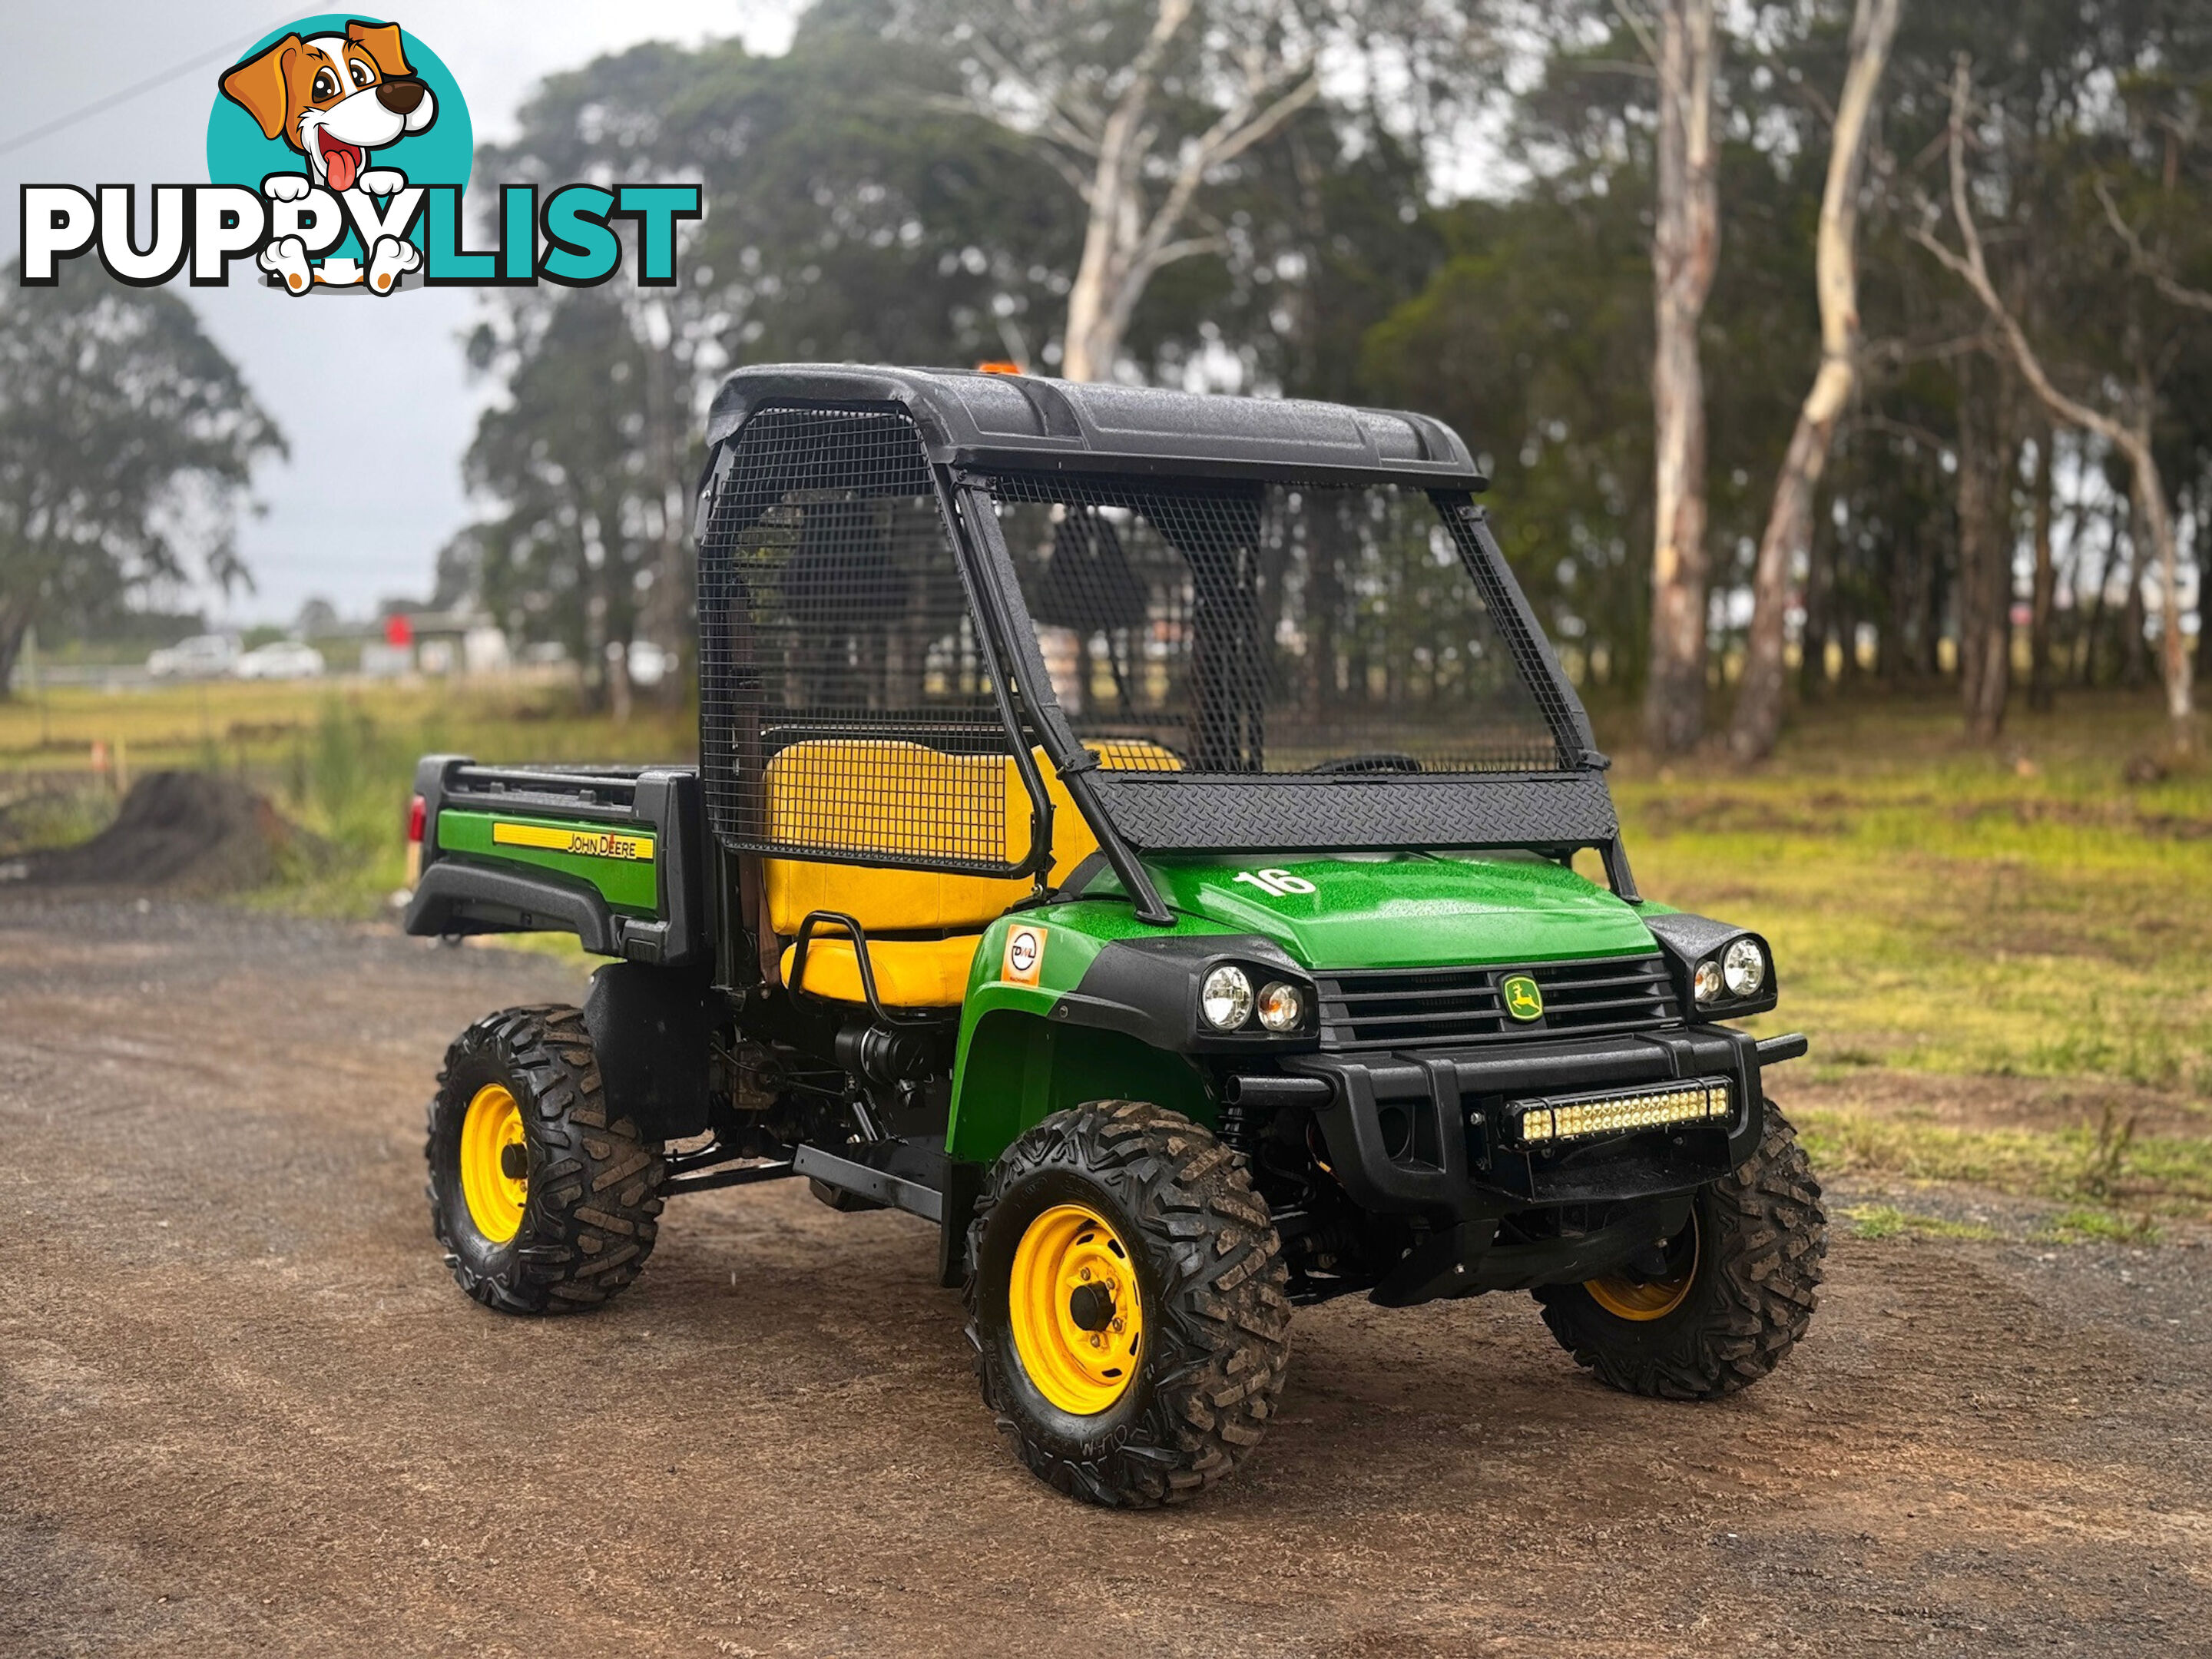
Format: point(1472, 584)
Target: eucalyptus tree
point(1680, 38)
point(850, 214)
point(1146, 108)
point(1757, 719)
point(127, 443)
point(2127, 426)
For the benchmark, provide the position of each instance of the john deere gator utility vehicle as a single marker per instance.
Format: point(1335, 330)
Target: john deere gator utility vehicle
point(1135, 834)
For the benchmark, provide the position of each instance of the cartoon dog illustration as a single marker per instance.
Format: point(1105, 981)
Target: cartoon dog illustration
point(334, 98)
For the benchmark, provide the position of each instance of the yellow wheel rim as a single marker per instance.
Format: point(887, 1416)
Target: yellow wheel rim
point(1651, 1298)
point(495, 1197)
point(1077, 1317)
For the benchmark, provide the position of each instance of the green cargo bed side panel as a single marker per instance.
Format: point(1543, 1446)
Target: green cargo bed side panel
point(618, 862)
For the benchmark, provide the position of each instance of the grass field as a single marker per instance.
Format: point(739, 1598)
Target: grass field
point(2002, 955)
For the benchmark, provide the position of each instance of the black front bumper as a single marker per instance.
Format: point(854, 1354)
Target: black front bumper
point(1425, 1133)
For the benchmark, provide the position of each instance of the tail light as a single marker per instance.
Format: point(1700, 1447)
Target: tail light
point(418, 819)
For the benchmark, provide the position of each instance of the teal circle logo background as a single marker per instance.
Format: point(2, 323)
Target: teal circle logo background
point(442, 154)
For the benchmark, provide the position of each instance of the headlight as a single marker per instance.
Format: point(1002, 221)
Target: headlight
point(1226, 999)
point(1743, 964)
point(1707, 981)
point(1281, 1007)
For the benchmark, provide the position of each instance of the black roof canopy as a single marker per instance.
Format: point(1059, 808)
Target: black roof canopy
point(1025, 423)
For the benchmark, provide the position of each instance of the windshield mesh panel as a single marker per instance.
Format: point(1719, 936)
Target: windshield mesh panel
point(846, 707)
point(1231, 627)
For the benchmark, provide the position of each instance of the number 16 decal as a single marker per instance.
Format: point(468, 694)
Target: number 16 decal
point(1276, 884)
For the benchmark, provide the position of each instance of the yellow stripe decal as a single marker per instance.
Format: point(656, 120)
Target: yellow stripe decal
point(584, 843)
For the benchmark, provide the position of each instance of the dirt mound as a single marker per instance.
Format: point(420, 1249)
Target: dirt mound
point(193, 831)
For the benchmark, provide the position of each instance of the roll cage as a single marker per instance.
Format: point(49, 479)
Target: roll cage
point(857, 586)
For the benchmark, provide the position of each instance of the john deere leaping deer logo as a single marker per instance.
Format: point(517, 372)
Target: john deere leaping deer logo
point(1523, 1000)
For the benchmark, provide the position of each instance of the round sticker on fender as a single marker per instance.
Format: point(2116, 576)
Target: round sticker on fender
point(1024, 959)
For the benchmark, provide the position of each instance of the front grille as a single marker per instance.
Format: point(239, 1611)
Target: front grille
point(1431, 1007)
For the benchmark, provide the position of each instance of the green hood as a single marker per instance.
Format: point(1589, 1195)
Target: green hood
point(1407, 910)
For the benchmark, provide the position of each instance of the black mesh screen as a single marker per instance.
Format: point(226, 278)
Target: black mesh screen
point(1242, 627)
point(846, 697)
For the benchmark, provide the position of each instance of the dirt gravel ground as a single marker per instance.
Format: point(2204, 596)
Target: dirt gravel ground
point(244, 1410)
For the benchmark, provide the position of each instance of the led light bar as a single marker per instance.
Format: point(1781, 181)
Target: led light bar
point(1544, 1122)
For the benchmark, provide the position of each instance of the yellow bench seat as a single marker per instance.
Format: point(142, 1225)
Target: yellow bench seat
point(861, 796)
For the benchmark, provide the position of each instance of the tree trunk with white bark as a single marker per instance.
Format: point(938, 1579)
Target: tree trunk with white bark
point(1685, 253)
point(2156, 517)
point(1139, 191)
point(1789, 522)
point(1107, 286)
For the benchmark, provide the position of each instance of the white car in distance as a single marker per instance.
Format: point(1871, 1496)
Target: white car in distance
point(203, 657)
point(280, 659)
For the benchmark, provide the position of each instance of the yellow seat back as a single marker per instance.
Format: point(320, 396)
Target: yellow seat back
point(860, 796)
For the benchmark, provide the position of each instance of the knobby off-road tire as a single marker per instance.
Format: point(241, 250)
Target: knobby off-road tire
point(1215, 1314)
point(1761, 1236)
point(589, 1219)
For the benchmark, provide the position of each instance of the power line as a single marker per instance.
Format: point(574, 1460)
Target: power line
point(99, 105)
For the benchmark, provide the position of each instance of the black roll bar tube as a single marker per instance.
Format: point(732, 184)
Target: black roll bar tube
point(1486, 564)
point(979, 536)
point(1040, 858)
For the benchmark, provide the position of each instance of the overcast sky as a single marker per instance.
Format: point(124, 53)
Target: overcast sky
point(372, 393)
